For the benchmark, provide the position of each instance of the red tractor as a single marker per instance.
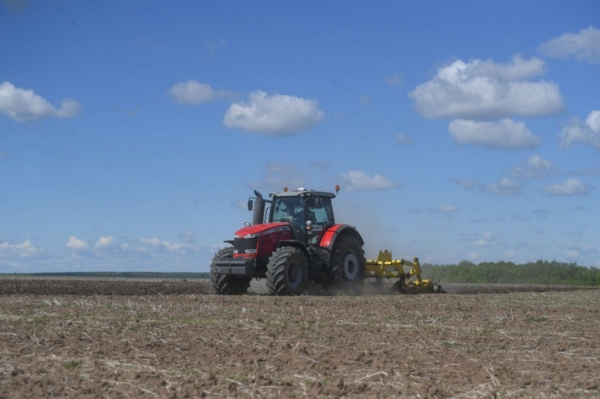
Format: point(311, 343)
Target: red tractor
point(298, 242)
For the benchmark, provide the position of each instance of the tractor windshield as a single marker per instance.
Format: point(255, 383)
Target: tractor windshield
point(289, 209)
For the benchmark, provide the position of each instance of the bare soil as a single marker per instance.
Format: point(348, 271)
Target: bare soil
point(114, 338)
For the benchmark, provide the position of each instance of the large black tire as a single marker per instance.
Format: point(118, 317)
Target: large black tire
point(348, 263)
point(225, 284)
point(287, 271)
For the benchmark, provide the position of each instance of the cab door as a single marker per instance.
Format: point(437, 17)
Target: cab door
point(320, 214)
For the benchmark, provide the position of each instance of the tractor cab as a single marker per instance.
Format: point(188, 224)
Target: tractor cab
point(309, 212)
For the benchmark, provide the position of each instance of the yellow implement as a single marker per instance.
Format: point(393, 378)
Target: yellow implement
point(385, 266)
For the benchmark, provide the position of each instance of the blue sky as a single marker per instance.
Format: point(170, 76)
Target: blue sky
point(133, 132)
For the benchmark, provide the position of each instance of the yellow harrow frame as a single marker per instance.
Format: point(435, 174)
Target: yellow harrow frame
point(386, 267)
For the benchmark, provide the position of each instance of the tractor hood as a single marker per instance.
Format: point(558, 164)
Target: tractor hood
point(261, 229)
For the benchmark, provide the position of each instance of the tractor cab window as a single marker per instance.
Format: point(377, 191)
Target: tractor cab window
point(288, 209)
point(320, 211)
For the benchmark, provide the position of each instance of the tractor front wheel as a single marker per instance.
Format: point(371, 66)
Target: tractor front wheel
point(226, 284)
point(287, 271)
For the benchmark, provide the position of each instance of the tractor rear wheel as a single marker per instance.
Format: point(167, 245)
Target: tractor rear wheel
point(287, 271)
point(226, 284)
point(347, 264)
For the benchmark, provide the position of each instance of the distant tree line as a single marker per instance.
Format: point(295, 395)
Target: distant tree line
point(159, 275)
point(540, 272)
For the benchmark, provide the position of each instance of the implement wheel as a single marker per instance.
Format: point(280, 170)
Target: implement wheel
point(225, 284)
point(347, 261)
point(287, 271)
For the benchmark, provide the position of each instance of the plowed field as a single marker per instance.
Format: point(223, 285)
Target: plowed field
point(174, 339)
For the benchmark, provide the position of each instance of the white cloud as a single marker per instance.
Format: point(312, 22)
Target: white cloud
point(77, 244)
point(536, 167)
point(23, 105)
point(278, 175)
point(174, 247)
point(585, 133)
point(583, 252)
point(108, 244)
point(153, 242)
point(275, 115)
point(194, 92)
point(468, 184)
point(488, 235)
point(104, 242)
point(505, 134)
point(593, 121)
point(486, 90)
point(360, 181)
point(403, 140)
point(570, 187)
point(240, 204)
point(211, 48)
point(24, 250)
point(104, 245)
point(473, 256)
point(572, 254)
point(584, 45)
point(188, 237)
point(446, 209)
point(504, 187)
point(487, 238)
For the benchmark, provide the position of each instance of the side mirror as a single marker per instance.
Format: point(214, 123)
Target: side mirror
point(250, 203)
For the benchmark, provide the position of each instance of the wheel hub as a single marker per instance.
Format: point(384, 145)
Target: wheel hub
point(295, 274)
point(350, 266)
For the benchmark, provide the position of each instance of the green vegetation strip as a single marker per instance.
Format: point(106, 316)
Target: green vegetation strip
point(540, 272)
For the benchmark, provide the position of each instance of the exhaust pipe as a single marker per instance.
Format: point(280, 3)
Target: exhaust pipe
point(259, 209)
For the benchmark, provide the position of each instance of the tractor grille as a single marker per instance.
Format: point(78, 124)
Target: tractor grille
point(245, 246)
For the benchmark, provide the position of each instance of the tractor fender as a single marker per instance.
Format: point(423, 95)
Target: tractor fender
point(331, 235)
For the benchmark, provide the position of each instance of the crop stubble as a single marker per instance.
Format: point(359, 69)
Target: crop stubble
point(201, 345)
